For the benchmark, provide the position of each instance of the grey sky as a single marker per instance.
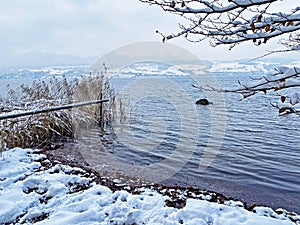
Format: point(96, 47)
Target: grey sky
point(92, 27)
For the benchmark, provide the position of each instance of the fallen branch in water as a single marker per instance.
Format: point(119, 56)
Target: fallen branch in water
point(52, 109)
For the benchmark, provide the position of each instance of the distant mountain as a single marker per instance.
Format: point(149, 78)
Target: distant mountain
point(146, 51)
point(264, 65)
point(34, 60)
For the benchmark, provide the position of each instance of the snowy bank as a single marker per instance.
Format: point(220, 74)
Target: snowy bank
point(33, 193)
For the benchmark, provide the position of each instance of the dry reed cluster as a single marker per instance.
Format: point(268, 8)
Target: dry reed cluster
point(40, 129)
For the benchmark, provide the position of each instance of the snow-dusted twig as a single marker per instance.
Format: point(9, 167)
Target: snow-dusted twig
point(284, 78)
point(231, 22)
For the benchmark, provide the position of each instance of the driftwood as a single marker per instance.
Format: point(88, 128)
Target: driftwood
point(28, 113)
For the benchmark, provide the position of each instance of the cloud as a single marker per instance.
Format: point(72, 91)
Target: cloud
point(75, 27)
point(89, 27)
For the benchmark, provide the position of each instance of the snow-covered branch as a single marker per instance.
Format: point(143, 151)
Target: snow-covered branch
point(230, 21)
point(284, 82)
point(283, 78)
point(292, 43)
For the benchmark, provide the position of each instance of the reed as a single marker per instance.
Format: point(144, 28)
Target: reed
point(41, 129)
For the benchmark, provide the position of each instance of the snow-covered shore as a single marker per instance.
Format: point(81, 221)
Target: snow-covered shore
point(32, 193)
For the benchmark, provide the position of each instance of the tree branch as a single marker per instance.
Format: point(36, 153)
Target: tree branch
point(230, 22)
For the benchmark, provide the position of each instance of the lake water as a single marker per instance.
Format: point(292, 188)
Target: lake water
point(258, 160)
point(259, 155)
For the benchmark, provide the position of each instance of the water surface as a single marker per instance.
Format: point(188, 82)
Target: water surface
point(259, 158)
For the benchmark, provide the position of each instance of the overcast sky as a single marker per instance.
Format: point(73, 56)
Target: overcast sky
point(92, 28)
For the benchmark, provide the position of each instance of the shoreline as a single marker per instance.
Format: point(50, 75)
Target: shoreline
point(67, 153)
point(39, 190)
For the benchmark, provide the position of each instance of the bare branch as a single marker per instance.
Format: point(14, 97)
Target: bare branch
point(284, 78)
point(231, 22)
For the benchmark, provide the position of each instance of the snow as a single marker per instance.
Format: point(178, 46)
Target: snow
point(235, 67)
point(32, 193)
point(284, 80)
point(227, 22)
point(294, 98)
point(150, 69)
point(44, 72)
point(211, 8)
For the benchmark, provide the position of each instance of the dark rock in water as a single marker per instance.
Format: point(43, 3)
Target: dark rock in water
point(203, 101)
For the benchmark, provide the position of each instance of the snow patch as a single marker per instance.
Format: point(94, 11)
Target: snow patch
point(33, 194)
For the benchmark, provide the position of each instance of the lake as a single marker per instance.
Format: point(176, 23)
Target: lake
point(243, 149)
